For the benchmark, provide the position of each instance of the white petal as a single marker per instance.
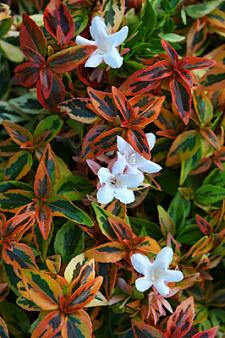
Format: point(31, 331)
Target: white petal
point(123, 146)
point(142, 284)
point(141, 263)
point(94, 60)
point(119, 37)
point(173, 276)
point(82, 41)
point(147, 166)
point(162, 288)
point(164, 258)
point(119, 165)
point(98, 28)
point(105, 194)
point(113, 58)
point(132, 180)
point(124, 195)
point(151, 140)
point(104, 175)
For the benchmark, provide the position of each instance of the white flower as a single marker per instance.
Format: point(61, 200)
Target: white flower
point(116, 184)
point(157, 273)
point(135, 163)
point(106, 44)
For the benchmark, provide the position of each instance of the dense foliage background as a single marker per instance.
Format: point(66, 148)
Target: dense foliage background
point(65, 259)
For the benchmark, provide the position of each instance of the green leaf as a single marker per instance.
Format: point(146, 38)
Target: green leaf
point(74, 187)
point(26, 104)
point(18, 165)
point(172, 37)
point(145, 227)
point(17, 321)
point(216, 177)
point(69, 241)
point(47, 129)
point(208, 194)
point(183, 147)
point(166, 223)
point(189, 235)
point(11, 52)
point(5, 26)
point(148, 20)
point(202, 9)
point(179, 210)
point(64, 208)
point(203, 108)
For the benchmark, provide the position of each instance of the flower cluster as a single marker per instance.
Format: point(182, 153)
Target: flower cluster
point(126, 173)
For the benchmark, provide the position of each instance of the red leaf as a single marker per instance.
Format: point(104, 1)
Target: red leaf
point(44, 220)
point(26, 75)
point(211, 137)
point(19, 256)
point(46, 78)
point(108, 253)
point(56, 95)
point(18, 134)
point(90, 136)
point(211, 333)
point(170, 51)
point(59, 22)
point(142, 330)
point(83, 295)
point(138, 140)
point(181, 320)
point(106, 141)
point(50, 325)
point(17, 225)
point(32, 40)
point(69, 58)
point(151, 113)
point(146, 79)
point(3, 329)
point(181, 97)
point(77, 325)
point(123, 104)
point(194, 62)
point(205, 227)
point(121, 228)
point(42, 182)
point(103, 104)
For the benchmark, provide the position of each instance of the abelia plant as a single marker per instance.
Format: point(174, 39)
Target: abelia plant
point(112, 171)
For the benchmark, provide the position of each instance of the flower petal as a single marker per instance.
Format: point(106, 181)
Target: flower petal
point(173, 276)
point(98, 27)
point(98, 31)
point(104, 175)
point(162, 288)
point(113, 58)
point(142, 284)
point(82, 41)
point(151, 140)
point(141, 263)
point(94, 60)
point(147, 166)
point(119, 165)
point(105, 194)
point(119, 37)
point(131, 180)
point(124, 195)
point(164, 258)
point(123, 146)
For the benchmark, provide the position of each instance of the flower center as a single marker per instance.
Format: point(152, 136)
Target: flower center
point(156, 275)
point(132, 159)
point(115, 182)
